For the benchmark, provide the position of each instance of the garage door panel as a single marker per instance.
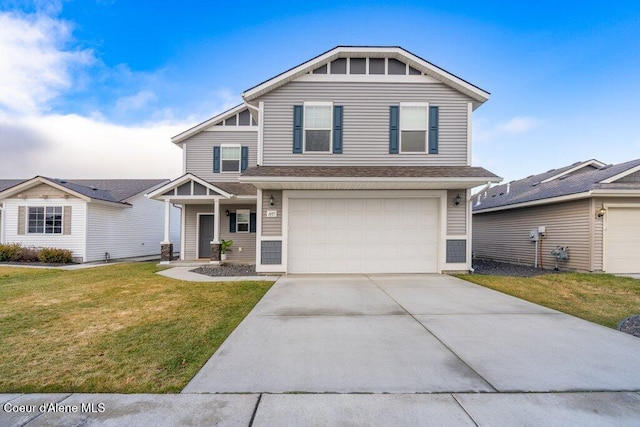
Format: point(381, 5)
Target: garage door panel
point(622, 240)
point(363, 235)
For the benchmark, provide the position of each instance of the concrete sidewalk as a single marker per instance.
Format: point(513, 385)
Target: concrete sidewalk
point(450, 409)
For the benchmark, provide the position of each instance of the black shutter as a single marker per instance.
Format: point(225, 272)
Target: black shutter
point(245, 159)
point(216, 159)
point(232, 222)
point(337, 129)
point(394, 118)
point(252, 222)
point(297, 129)
point(433, 130)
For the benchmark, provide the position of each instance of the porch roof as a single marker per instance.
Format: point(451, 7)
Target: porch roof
point(190, 188)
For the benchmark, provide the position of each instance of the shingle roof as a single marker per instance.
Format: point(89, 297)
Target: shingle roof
point(7, 183)
point(370, 171)
point(532, 188)
point(236, 188)
point(109, 190)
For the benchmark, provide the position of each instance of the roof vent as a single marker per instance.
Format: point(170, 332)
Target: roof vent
point(550, 170)
point(535, 183)
point(530, 176)
point(94, 188)
point(62, 181)
point(564, 177)
point(508, 187)
point(605, 167)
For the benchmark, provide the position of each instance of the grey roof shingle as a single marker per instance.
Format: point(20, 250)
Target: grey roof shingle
point(109, 190)
point(532, 188)
point(371, 171)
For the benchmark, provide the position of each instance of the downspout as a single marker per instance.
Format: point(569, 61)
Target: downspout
point(470, 202)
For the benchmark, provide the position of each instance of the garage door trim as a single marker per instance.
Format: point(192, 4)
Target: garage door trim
point(440, 195)
point(605, 224)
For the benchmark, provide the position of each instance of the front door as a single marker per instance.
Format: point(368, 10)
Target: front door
point(205, 233)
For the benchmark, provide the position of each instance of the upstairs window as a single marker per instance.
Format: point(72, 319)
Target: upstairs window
point(45, 220)
point(317, 127)
point(230, 156)
point(414, 121)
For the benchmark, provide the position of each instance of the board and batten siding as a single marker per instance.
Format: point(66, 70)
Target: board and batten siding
point(246, 241)
point(365, 123)
point(126, 232)
point(199, 153)
point(74, 241)
point(504, 235)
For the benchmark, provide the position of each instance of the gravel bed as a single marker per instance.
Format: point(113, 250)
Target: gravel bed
point(227, 270)
point(503, 269)
point(630, 325)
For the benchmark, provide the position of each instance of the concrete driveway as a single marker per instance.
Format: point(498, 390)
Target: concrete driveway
point(413, 334)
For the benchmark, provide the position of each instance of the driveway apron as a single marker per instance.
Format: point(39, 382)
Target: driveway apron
point(413, 334)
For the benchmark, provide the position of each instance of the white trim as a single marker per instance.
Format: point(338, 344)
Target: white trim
point(469, 228)
point(271, 268)
point(86, 232)
point(183, 231)
point(367, 78)
point(167, 222)
point(274, 179)
point(198, 214)
point(259, 228)
point(237, 128)
point(44, 219)
point(158, 193)
point(33, 182)
point(2, 221)
point(260, 133)
point(271, 238)
point(210, 122)
point(424, 105)
point(393, 52)
point(469, 133)
point(184, 158)
point(621, 175)
point(368, 194)
point(304, 125)
point(592, 162)
point(239, 159)
point(248, 212)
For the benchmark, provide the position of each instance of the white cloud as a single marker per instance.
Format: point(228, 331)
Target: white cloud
point(135, 102)
point(73, 146)
point(36, 66)
point(483, 131)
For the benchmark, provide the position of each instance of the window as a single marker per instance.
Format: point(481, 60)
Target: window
point(317, 127)
point(230, 158)
point(414, 120)
point(242, 220)
point(47, 220)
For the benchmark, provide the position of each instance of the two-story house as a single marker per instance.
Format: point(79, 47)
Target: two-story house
point(356, 161)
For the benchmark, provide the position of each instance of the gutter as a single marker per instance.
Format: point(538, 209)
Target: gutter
point(470, 202)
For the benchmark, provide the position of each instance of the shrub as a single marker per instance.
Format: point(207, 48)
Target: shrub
point(27, 254)
point(10, 251)
point(54, 255)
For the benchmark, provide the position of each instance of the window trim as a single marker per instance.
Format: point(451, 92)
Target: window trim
point(44, 219)
point(238, 222)
point(222, 147)
point(424, 105)
point(304, 125)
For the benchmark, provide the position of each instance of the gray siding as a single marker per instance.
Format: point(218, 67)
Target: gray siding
point(366, 123)
point(271, 226)
point(200, 153)
point(246, 241)
point(504, 235)
point(634, 177)
point(456, 215)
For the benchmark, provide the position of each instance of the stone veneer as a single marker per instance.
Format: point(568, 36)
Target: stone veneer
point(215, 251)
point(166, 252)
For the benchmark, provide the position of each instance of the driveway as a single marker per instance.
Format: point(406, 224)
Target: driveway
point(413, 334)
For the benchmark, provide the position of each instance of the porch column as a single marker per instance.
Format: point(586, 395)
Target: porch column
point(215, 243)
point(166, 247)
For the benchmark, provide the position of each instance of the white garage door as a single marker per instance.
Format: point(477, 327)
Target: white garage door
point(622, 240)
point(363, 235)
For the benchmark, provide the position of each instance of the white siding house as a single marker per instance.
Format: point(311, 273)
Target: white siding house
point(88, 217)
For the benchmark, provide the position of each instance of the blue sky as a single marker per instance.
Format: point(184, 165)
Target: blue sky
point(96, 88)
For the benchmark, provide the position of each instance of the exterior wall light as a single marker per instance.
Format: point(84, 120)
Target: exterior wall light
point(272, 202)
point(601, 212)
point(457, 200)
point(227, 212)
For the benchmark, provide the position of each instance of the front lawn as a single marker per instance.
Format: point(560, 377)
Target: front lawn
point(599, 298)
point(113, 329)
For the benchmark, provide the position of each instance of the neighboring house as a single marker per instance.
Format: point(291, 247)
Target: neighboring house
point(356, 161)
point(88, 217)
point(589, 207)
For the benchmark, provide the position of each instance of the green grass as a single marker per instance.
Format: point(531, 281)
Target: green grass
point(115, 329)
point(599, 298)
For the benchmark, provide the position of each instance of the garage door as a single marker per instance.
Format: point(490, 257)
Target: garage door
point(363, 235)
point(622, 240)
